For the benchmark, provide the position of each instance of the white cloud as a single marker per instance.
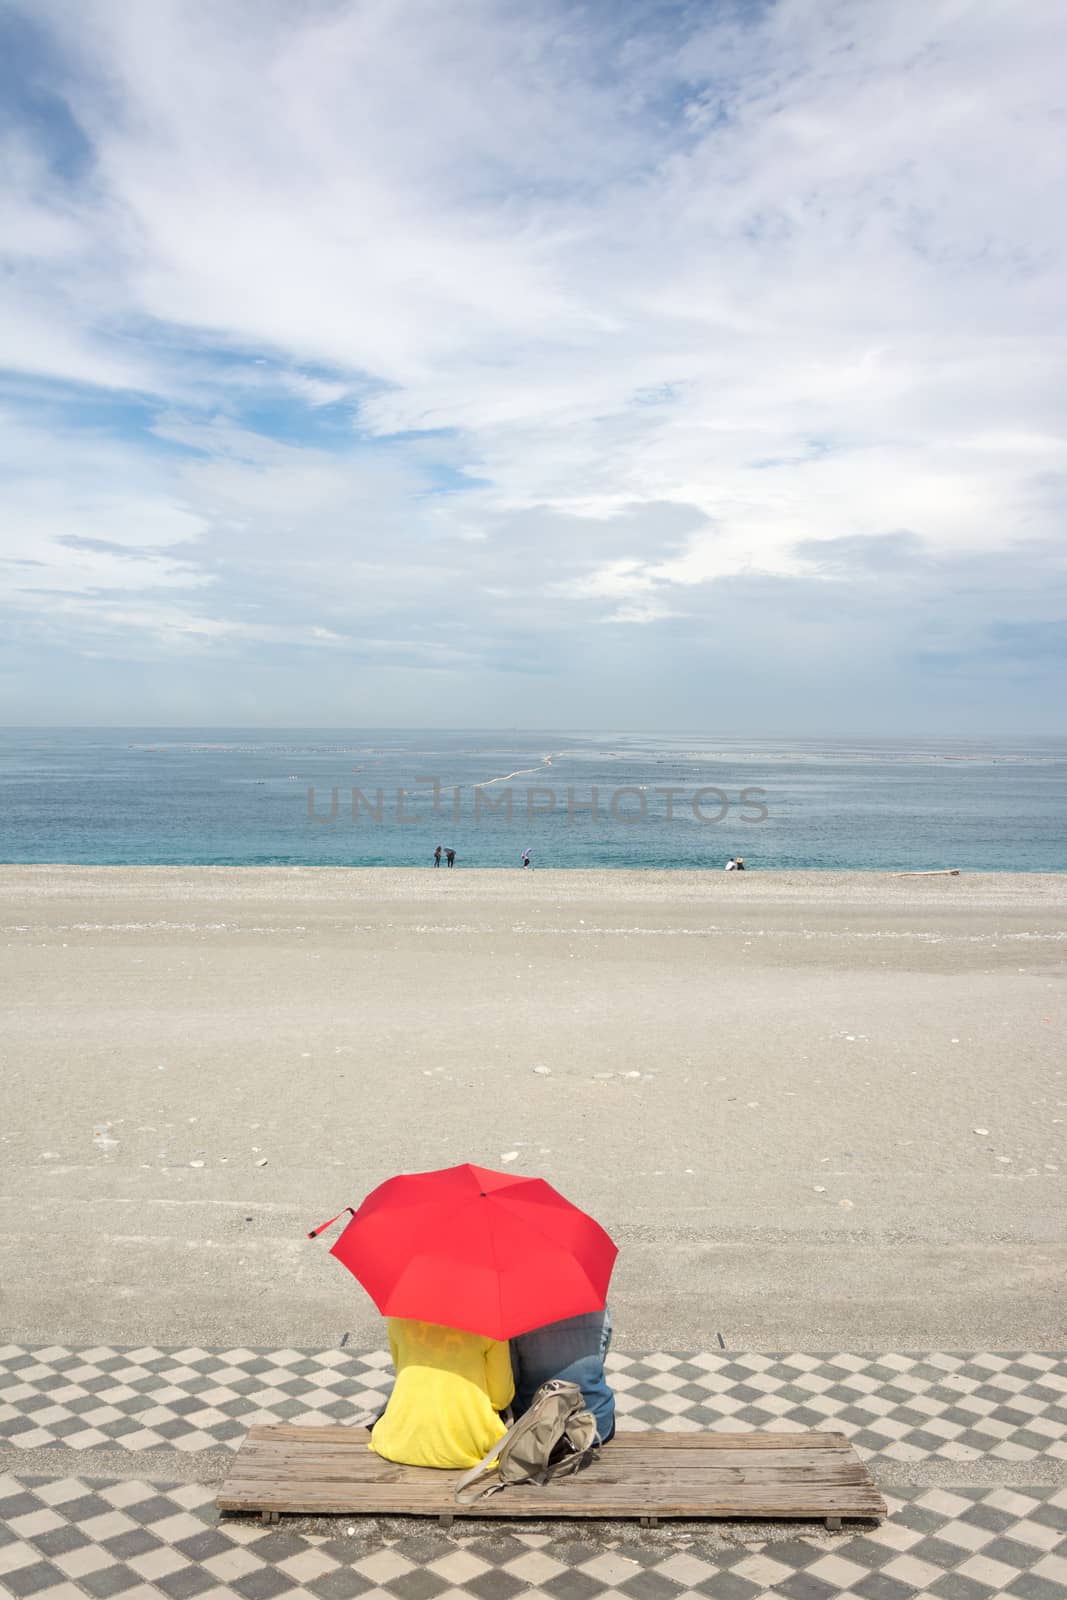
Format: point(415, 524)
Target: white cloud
point(82, 514)
point(795, 268)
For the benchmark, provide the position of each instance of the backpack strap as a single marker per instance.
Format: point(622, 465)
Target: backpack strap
point(475, 1472)
point(568, 1464)
point(552, 1385)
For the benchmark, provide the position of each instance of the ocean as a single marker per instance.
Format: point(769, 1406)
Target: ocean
point(245, 797)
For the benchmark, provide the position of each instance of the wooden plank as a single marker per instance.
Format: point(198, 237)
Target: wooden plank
point(613, 1471)
point(604, 1499)
point(658, 1458)
point(589, 1483)
point(330, 1470)
point(675, 1465)
point(657, 1464)
point(359, 1437)
point(511, 1504)
point(333, 1433)
point(704, 1442)
point(723, 1468)
point(614, 1490)
point(592, 1485)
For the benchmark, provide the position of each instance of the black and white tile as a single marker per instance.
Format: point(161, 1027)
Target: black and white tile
point(959, 1407)
point(67, 1537)
point(64, 1535)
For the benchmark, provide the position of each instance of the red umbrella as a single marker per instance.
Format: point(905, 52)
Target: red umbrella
point(486, 1251)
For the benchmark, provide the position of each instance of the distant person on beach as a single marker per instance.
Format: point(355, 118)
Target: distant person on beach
point(731, 865)
point(574, 1351)
point(437, 856)
point(450, 857)
point(526, 858)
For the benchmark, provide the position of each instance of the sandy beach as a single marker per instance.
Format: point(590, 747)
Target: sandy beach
point(816, 1111)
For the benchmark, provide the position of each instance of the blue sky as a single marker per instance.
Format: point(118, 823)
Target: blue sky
point(494, 365)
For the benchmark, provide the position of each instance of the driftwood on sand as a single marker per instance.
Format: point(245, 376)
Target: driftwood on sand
point(938, 872)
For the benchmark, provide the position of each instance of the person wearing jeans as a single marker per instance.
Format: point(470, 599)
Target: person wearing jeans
point(572, 1350)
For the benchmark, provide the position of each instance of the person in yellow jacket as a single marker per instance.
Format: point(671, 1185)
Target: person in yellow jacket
point(450, 1388)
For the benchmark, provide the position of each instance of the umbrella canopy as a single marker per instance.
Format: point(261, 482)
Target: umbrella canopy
point(489, 1252)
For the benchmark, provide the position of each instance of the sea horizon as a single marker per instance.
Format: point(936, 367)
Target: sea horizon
point(217, 795)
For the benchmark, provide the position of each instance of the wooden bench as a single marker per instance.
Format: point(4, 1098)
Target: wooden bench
point(647, 1476)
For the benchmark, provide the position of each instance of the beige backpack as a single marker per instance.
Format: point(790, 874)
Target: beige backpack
point(555, 1437)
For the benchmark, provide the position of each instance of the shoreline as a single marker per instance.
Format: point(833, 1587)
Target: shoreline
point(714, 867)
point(779, 877)
point(672, 891)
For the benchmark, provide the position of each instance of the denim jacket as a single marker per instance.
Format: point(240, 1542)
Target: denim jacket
point(573, 1350)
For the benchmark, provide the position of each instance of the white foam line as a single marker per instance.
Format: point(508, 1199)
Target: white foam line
point(522, 773)
point(485, 783)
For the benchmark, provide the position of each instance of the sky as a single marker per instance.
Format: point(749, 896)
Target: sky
point(516, 364)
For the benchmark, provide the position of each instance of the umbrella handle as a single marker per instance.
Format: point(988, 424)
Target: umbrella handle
point(324, 1225)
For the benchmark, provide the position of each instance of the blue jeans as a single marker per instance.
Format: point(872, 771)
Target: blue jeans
point(573, 1350)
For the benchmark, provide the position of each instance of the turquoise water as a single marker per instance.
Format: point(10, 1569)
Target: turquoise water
point(236, 796)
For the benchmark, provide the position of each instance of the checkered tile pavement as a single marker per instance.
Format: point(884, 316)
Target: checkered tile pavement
point(70, 1537)
point(1010, 1407)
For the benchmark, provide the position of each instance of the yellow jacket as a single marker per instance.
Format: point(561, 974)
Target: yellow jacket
point(449, 1387)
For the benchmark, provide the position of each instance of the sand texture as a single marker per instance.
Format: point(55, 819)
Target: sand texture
point(816, 1111)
